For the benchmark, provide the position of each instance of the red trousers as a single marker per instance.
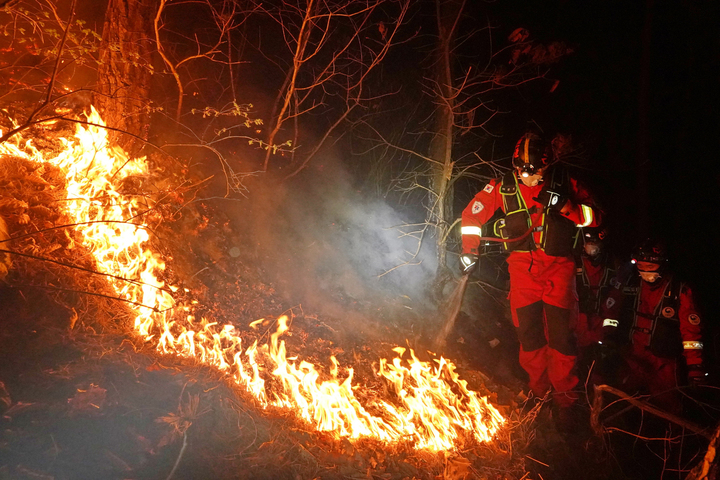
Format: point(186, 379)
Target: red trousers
point(544, 304)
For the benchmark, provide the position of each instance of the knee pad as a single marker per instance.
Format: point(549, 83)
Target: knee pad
point(560, 334)
point(530, 330)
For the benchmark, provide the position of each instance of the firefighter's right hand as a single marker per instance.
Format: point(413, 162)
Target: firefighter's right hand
point(468, 263)
point(607, 348)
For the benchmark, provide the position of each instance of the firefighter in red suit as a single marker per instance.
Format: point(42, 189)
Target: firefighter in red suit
point(654, 310)
point(543, 208)
point(593, 274)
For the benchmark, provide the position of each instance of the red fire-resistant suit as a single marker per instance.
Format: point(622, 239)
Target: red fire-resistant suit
point(543, 297)
point(663, 326)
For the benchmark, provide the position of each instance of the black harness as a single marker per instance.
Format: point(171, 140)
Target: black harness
point(590, 300)
point(557, 232)
point(665, 336)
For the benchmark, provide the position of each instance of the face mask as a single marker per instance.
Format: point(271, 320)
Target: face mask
point(592, 250)
point(650, 277)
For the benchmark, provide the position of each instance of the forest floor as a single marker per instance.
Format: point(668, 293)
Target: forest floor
point(80, 401)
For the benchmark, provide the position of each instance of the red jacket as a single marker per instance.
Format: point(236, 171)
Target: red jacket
point(647, 310)
point(579, 209)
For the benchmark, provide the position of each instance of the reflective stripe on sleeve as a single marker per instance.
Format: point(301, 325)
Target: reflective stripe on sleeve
point(609, 322)
point(692, 345)
point(470, 231)
point(587, 215)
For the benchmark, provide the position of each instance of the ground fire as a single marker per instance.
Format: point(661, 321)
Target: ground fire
point(428, 406)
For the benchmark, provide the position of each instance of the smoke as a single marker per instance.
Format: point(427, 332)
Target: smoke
point(330, 248)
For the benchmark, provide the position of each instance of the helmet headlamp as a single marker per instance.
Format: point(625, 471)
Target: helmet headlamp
point(527, 170)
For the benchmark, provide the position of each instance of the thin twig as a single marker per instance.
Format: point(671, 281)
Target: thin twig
point(48, 287)
point(53, 76)
point(537, 461)
point(177, 462)
point(88, 270)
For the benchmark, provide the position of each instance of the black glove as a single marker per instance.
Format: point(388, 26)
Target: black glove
point(697, 375)
point(610, 332)
point(468, 263)
point(551, 200)
point(609, 348)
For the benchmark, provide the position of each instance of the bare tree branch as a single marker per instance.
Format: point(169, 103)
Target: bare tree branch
point(644, 406)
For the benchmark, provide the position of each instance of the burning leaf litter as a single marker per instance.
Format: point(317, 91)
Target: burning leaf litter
point(431, 407)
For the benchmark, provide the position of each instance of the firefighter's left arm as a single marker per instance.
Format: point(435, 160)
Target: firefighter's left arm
point(690, 329)
point(477, 213)
point(581, 208)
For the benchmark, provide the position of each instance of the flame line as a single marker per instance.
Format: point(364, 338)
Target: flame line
point(429, 405)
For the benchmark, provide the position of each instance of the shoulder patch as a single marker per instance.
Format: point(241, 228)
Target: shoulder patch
point(609, 302)
point(477, 207)
point(488, 188)
point(668, 312)
point(694, 319)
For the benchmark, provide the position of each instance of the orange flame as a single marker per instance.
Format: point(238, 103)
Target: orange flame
point(432, 407)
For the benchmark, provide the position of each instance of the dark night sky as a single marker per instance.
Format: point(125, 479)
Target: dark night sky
point(597, 101)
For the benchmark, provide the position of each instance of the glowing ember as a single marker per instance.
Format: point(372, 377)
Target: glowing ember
point(431, 408)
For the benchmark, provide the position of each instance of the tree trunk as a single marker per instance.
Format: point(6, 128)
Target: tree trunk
point(441, 147)
point(125, 71)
